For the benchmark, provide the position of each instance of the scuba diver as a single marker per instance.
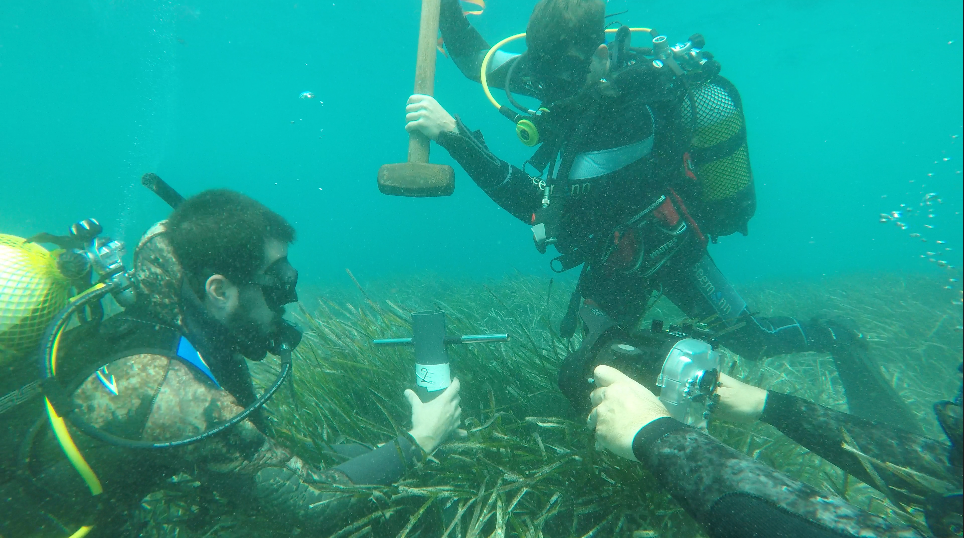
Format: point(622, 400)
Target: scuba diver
point(735, 496)
point(642, 160)
point(163, 387)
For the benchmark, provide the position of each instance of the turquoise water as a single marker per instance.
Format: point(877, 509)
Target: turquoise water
point(850, 106)
point(854, 110)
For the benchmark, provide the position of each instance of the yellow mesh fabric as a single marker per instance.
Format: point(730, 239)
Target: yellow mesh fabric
point(725, 177)
point(31, 292)
point(717, 117)
point(717, 120)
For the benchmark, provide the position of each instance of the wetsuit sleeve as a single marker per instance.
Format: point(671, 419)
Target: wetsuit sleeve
point(507, 185)
point(242, 463)
point(734, 496)
point(467, 49)
point(463, 43)
point(822, 431)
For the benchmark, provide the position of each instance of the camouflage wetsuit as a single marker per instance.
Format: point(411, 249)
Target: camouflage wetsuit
point(161, 397)
point(735, 496)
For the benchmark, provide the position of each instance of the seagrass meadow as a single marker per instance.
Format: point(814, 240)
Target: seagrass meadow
point(528, 466)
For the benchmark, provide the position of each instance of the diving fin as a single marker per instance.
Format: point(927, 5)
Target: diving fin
point(869, 395)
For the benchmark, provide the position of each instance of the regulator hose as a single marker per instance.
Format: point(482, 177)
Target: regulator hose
point(59, 404)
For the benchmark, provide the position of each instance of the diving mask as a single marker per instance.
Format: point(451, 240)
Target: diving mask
point(560, 77)
point(278, 283)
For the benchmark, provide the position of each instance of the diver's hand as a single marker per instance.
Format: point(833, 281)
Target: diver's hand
point(621, 408)
point(425, 115)
point(739, 402)
point(434, 421)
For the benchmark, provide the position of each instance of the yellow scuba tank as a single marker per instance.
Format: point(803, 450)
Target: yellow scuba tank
point(32, 290)
point(717, 120)
point(718, 157)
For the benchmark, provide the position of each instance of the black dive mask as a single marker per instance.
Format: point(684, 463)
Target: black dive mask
point(278, 283)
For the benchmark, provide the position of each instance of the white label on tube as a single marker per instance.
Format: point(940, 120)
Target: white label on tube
point(433, 377)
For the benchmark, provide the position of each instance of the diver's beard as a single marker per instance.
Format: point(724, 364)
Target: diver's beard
point(238, 334)
point(249, 337)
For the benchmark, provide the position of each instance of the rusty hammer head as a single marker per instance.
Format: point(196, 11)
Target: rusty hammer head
point(416, 179)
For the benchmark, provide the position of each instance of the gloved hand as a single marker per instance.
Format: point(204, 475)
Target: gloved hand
point(434, 421)
point(621, 407)
point(738, 401)
point(425, 115)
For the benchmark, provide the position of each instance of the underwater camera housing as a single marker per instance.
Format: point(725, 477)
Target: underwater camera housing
point(689, 373)
point(688, 381)
point(685, 369)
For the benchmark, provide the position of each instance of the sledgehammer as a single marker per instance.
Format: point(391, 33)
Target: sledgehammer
point(418, 177)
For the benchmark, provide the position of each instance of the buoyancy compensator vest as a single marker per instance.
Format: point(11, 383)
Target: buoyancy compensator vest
point(700, 158)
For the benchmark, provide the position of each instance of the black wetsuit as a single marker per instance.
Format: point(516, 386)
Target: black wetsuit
point(735, 496)
point(622, 214)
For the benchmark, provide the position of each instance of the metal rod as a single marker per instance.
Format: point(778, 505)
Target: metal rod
point(479, 339)
point(393, 342)
point(465, 339)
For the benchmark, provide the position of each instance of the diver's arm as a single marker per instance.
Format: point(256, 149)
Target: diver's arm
point(242, 462)
point(508, 186)
point(734, 496)
point(463, 43)
point(726, 491)
point(821, 430)
point(467, 49)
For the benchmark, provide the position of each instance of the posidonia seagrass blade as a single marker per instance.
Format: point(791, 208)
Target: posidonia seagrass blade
point(540, 464)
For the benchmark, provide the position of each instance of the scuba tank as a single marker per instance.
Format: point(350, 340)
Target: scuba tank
point(718, 159)
point(716, 162)
point(32, 290)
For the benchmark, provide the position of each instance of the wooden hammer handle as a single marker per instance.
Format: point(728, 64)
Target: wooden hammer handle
point(418, 144)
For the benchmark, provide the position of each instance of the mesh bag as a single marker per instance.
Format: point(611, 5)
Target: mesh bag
point(720, 157)
point(31, 292)
point(726, 177)
point(717, 120)
point(717, 117)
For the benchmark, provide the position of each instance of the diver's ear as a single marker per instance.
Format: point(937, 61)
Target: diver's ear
point(220, 296)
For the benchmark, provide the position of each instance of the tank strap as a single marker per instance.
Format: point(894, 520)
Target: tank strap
point(701, 156)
